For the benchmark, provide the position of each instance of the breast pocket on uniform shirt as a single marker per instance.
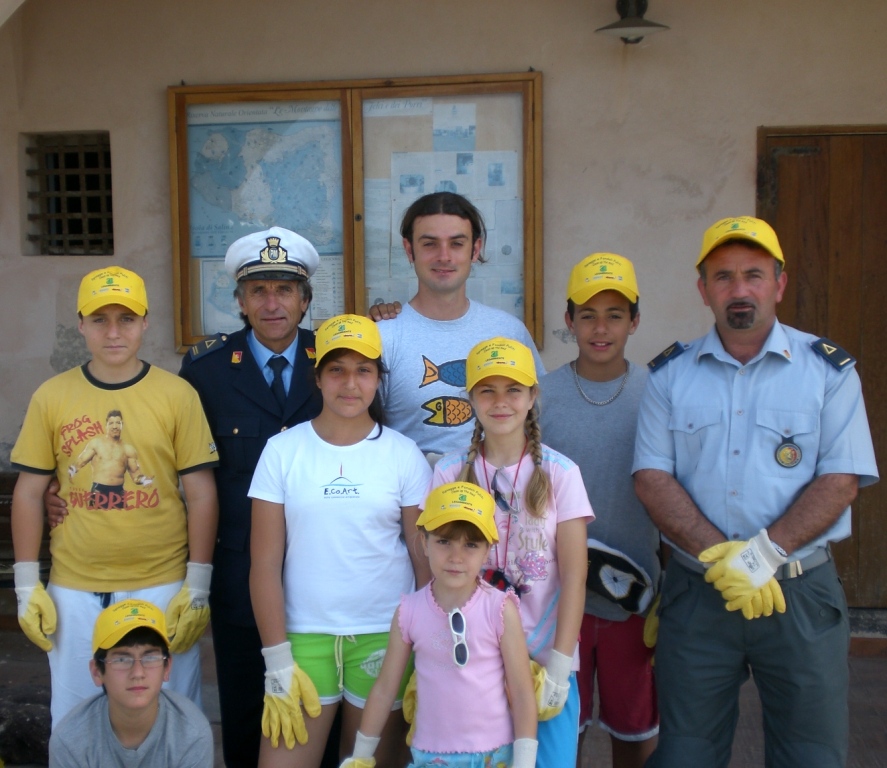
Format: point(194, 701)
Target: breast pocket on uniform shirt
point(239, 443)
point(786, 442)
point(692, 429)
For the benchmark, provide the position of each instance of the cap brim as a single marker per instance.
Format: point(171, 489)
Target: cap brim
point(351, 344)
point(584, 294)
point(521, 377)
point(273, 274)
point(432, 520)
point(108, 299)
point(260, 270)
point(114, 637)
point(740, 236)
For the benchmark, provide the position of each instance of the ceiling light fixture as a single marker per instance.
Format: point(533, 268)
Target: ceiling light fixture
point(632, 27)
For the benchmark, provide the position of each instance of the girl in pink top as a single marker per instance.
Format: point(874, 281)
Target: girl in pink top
point(469, 650)
point(541, 511)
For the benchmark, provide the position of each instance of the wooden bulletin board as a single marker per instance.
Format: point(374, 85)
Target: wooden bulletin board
point(339, 162)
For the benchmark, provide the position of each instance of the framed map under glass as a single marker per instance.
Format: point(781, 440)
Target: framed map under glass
point(339, 162)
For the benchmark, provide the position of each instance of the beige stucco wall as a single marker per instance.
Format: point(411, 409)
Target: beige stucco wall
point(644, 145)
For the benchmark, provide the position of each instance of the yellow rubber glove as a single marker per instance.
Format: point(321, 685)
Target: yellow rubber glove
point(651, 627)
point(36, 611)
point(364, 749)
point(551, 684)
point(767, 599)
point(651, 624)
point(741, 569)
point(188, 612)
point(287, 690)
point(410, 704)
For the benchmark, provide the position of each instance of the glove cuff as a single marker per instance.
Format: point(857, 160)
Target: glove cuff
point(765, 547)
point(26, 575)
point(198, 576)
point(524, 751)
point(278, 657)
point(365, 746)
point(558, 667)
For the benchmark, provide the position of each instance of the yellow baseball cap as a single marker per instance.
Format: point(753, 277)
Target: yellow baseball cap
point(741, 228)
point(118, 620)
point(112, 285)
point(348, 332)
point(500, 357)
point(460, 501)
point(602, 272)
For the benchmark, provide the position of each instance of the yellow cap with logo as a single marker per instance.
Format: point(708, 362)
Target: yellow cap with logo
point(460, 501)
point(349, 332)
point(602, 272)
point(112, 285)
point(118, 620)
point(741, 228)
point(500, 357)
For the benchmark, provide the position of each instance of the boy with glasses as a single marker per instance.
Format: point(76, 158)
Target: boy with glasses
point(134, 721)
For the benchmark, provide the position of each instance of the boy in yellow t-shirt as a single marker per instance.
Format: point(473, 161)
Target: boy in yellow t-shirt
point(118, 434)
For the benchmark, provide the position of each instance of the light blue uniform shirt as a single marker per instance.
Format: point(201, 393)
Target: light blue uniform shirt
point(716, 426)
point(262, 355)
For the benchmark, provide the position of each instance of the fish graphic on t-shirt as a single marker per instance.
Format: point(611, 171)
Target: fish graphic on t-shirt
point(451, 372)
point(448, 411)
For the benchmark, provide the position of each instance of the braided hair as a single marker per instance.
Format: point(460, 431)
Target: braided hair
point(468, 474)
point(539, 487)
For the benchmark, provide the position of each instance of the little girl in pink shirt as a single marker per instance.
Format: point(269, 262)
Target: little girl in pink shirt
point(469, 650)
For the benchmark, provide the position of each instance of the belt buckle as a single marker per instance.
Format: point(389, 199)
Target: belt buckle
point(792, 570)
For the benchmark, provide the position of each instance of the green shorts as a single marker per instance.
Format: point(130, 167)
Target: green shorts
point(344, 665)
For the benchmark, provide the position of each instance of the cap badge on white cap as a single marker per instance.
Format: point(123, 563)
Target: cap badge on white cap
point(273, 253)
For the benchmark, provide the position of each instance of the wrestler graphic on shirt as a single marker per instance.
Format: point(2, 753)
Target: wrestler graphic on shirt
point(111, 459)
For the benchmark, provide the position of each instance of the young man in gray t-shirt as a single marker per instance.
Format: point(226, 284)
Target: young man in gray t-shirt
point(589, 412)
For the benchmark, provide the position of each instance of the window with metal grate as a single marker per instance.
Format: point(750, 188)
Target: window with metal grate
point(69, 193)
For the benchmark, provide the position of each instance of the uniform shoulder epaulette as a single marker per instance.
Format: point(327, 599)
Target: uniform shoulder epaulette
point(205, 346)
point(667, 354)
point(837, 356)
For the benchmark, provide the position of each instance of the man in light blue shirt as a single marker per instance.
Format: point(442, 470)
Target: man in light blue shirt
point(752, 443)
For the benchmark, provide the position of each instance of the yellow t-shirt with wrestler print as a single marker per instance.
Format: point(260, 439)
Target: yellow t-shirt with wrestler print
point(118, 451)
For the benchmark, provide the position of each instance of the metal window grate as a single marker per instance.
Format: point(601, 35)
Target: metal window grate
point(69, 180)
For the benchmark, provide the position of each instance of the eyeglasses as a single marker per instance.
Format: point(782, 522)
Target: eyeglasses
point(460, 646)
point(499, 495)
point(125, 663)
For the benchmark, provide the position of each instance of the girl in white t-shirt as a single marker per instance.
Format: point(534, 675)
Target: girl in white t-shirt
point(335, 504)
point(541, 512)
point(476, 704)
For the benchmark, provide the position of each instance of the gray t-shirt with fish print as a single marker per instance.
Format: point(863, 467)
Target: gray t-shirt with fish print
point(424, 391)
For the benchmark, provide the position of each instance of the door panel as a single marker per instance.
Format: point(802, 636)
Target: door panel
point(825, 193)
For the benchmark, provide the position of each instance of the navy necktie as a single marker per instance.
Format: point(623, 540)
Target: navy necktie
point(277, 364)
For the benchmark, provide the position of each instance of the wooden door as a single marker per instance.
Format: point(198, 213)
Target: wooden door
point(824, 191)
